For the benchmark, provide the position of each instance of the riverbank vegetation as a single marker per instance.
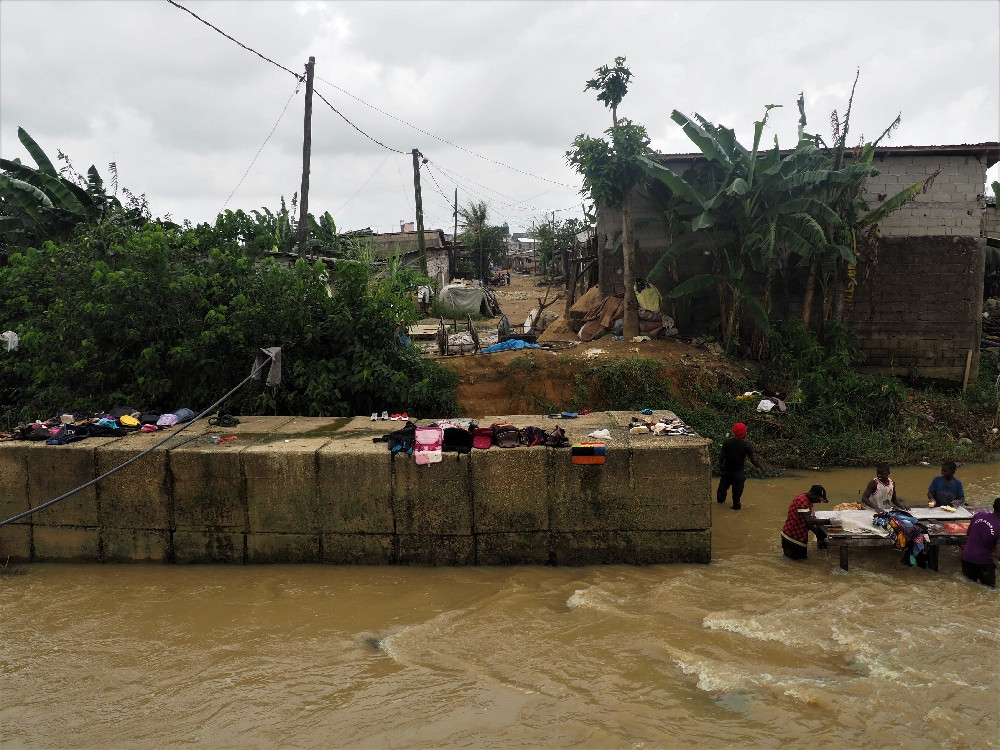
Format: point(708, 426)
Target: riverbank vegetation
point(115, 307)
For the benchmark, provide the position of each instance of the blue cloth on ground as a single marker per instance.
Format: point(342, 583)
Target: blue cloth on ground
point(510, 345)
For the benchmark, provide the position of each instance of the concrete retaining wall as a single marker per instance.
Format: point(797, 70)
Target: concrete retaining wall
point(318, 490)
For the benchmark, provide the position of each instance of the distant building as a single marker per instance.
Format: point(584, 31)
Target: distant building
point(439, 251)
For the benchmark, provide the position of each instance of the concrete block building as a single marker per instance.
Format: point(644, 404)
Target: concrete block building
point(917, 305)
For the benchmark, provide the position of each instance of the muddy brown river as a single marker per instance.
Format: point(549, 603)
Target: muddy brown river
point(750, 651)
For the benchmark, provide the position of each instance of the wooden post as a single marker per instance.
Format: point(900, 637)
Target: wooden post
point(422, 250)
point(628, 251)
point(454, 238)
point(306, 152)
point(968, 368)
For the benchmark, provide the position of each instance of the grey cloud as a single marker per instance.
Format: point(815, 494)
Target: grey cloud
point(182, 110)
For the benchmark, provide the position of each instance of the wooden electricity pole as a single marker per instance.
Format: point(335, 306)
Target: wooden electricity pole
point(454, 238)
point(420, 212)
point(306, 151)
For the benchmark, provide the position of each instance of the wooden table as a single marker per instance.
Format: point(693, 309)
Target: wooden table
point(845, 540)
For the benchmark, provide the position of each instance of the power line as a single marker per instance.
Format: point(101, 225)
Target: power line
point(248, 49)
point(363, 186)
point(297, 85)
point(373, 140)
point(443, 140)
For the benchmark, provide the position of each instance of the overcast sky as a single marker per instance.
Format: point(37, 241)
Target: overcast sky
point(183, 111)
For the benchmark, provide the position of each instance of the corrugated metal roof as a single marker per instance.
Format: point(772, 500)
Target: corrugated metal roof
point(990, 150)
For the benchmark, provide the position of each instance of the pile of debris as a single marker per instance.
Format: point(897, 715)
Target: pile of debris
point(595, 316)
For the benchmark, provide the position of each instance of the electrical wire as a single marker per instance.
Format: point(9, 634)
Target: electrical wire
point(248, 49)
point(370, 138)
point(363, 186)
point(443, 140)
point(297, 85)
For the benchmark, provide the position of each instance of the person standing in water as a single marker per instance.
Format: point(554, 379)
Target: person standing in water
point(981, 547)
point(946, 489)
point(880, 494)
point(734, 451)
point(801, 520)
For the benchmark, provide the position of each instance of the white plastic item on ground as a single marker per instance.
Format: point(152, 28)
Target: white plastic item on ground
point(593, 353)
point(638, 339)
point(604, 434)
point(530, 320)
point(765, 405)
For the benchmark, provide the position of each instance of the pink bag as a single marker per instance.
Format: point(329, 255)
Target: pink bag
point(427, 443)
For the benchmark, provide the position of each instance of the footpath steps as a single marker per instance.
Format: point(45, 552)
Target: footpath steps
point(318, 490)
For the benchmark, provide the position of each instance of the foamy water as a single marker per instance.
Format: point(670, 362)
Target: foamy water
point(750, 651)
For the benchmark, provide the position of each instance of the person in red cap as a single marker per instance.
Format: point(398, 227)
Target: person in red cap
point(735, 451)
point(801, 520)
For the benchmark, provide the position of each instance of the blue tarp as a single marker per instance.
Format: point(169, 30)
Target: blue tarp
point(510, 345)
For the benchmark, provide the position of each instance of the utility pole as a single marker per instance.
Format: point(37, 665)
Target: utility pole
point(454, 238)
point(420, 212)
point(306, 151)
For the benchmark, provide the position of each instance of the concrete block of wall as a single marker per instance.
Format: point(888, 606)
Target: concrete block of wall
point(494, 473)
point(631, 547)
point(282, 548)
point(358, 549)
point(138, 496)
point(432, 499)
point(15, 542)
point(65, 544)
point(513, 548)
point(13, 479)
point(134, 545)
point(208, 546)
point(57, 469)
point(435, 549)
point(209, 491)
point(281, 485)
point(355, 486)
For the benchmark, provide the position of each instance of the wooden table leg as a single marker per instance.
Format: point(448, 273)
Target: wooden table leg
point(843, 556)
point(932, 557)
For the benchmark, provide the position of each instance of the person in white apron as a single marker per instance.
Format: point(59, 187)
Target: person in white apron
point(880, 494)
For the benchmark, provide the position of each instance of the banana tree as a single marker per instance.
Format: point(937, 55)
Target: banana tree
point(766, 211)
point(40, 203)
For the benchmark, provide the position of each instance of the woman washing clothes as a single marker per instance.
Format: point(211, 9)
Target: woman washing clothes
point(801, 520)
point(880, 494)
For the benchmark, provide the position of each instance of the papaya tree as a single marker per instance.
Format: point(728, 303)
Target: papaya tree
point(611, 171)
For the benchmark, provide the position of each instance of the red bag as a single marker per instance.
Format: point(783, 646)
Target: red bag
point(482, 437)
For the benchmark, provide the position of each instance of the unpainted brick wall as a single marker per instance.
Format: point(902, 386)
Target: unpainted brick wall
point(952, 206)
point(918, 306)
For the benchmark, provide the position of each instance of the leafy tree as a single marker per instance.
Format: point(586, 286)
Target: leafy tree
point(611, 85)
point(555, 236)
point(489, 242)
point(611, 172)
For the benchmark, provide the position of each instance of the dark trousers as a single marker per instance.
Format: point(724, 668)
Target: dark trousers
point(793, 550)
point(734, 479)
point(984, 574)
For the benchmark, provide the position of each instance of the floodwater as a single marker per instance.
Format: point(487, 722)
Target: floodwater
point(750, 651)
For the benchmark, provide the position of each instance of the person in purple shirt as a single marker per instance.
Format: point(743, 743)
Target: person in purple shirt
point(981, 547)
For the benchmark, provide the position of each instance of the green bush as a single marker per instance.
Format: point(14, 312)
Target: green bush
point(160, 317)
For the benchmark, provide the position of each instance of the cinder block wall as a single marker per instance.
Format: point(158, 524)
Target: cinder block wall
point(320, 491)
point(925, 312)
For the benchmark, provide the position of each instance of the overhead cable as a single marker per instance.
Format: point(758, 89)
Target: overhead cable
point(248, 49)
point(363, 186)
point(297, 85)
point(373, 140)
point(443, 140)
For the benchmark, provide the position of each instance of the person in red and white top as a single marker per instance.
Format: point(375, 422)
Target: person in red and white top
point(801, 520)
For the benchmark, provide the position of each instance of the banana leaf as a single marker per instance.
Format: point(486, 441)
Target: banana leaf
point(19, 194)
point(758, 312)
point(898, 200)
point(705, 142)
point(658, 273)
point(695, 284)
point(677, 184)
point(57, 187)
point(703, 221)
point(44, 165)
